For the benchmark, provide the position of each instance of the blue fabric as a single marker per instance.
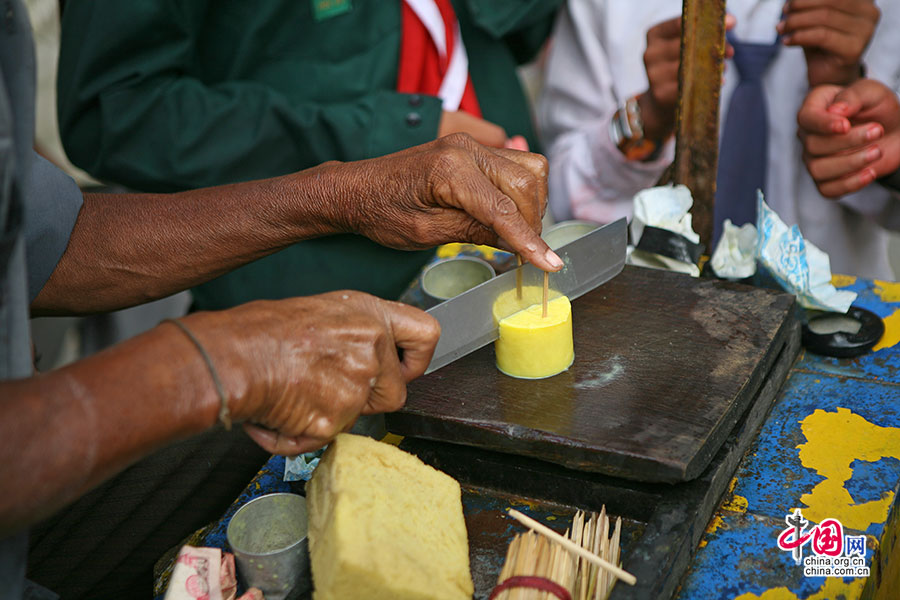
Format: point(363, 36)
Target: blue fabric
point(51, 209)
point(744, 149)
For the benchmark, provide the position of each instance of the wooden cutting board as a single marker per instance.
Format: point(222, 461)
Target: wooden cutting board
point(665, 365)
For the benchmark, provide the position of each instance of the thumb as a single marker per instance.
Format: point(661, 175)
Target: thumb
point(850, 101)
point(416, 333)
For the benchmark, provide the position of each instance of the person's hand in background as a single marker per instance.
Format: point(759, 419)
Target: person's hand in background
point(484, 132)
point(661, 61)
point(833, 34)
point(851, 136)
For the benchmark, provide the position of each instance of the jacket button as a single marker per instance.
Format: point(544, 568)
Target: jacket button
point(413, 119)
point(415, 100)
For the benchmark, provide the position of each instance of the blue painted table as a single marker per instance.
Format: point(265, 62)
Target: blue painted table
point(830, 447)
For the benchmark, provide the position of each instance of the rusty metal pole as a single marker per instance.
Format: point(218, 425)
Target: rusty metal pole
point(697, 122)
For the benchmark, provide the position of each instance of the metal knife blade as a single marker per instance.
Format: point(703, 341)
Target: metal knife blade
point(467, 321)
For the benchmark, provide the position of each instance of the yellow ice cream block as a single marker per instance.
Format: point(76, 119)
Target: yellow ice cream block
point(509, 303)
point(532, 346)
point(385, 526)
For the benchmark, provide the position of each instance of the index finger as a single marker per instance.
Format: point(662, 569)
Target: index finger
point(416, 333)
point(513, 213)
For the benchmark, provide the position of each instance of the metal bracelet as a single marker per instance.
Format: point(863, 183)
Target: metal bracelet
point(224, 413)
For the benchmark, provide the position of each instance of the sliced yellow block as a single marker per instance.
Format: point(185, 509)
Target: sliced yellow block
point(532, 346)
point(385, 526)
point(509, 303)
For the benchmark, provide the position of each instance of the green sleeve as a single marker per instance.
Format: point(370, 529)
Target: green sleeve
point(134, 109)
point(500, 18)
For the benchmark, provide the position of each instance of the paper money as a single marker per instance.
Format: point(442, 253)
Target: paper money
point(206, 574)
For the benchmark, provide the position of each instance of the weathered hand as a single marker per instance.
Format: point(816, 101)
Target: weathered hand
point(297, 372)
point(484, 132)
point(450, 190)
point(851, 136)
point(661, 61)
point(833, 34)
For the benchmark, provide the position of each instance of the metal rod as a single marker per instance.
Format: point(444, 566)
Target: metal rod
point(697, 121)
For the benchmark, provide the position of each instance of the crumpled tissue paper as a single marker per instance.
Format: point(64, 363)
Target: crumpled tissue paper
point(735, 255)
point(664, 207)
point(798, 266)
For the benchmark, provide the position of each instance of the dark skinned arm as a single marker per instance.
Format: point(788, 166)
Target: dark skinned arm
point(295, 372)
point(132, 248)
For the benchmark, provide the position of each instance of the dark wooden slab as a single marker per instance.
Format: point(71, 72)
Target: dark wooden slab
point(665, 365)
point(663, 522)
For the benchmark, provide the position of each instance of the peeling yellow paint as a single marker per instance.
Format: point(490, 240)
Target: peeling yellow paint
point(737, 503)
point(840, 281)
point(834, 588)
point(713, 526)
point(891, 332)
point(834, 441)
point(888, 291)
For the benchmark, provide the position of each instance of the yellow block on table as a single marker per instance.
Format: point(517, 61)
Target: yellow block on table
point(385, 526)
point(530, 345)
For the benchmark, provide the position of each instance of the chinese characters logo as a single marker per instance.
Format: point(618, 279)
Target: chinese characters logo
point(833, 553)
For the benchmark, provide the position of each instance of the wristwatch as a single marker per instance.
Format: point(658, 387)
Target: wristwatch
point(626, 130)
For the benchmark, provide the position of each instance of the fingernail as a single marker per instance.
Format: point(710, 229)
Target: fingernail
point(838, 126)
point(873, 153)
point(780, 27)
point(554, 260)
point(839, 108)
point(873, 133)
point(868, 176)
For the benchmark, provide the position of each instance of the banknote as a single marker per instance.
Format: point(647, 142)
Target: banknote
point(206, 574)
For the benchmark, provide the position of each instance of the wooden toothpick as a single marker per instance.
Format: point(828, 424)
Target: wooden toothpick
point(546, 294)
point(572, 546)
point(519, 276)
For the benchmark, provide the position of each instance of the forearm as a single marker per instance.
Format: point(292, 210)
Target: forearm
point(591, 179)
point(127, 249)
point(66, 431)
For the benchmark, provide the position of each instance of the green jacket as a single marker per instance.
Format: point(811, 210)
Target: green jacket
point(167, 95)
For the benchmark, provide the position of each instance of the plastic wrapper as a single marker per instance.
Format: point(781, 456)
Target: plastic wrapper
point(301, 467)
point(665, 209)
point(797, 264)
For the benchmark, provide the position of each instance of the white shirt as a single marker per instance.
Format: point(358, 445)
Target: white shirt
point(596, 63)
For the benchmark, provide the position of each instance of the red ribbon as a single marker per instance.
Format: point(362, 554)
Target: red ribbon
point(536, 583)
point(421, 69)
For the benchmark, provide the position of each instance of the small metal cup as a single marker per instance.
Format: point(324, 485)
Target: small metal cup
point(453, 276)
point(268, 537)
point(564, 232)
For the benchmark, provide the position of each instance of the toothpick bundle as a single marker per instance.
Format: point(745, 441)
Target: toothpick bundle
point(534, 553)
